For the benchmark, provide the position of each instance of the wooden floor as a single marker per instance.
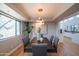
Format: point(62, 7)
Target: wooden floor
point(70, 48)
point(67, 48)
point(49, 54)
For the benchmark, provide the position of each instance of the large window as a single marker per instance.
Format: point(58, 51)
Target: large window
point(8, 27)
point(71, 24)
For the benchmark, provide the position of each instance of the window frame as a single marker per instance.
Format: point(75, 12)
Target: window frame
point(13, 18)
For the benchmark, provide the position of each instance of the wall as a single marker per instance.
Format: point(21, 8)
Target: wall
point(58, 29)
point(58, 34)
point(22, 27)
point(51, 30)
point(10, 44)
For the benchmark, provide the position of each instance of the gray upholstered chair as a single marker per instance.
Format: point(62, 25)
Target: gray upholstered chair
point(26, 41)
point(51, 39)
point(45, 40)
point(39, 50)
point(55, 43)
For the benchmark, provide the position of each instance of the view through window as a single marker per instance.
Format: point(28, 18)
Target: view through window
point(70, 24)
point(8, 27)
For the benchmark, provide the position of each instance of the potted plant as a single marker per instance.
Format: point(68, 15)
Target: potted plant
point(28, 28)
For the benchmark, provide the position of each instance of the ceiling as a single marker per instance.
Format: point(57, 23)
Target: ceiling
point(50, 11)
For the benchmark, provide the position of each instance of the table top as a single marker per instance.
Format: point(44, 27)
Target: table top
point(39, 44)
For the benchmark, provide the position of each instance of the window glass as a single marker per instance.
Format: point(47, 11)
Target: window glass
point(8, 27)
point(70, 24)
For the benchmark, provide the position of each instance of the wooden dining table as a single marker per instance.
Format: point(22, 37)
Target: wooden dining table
point(38, 42)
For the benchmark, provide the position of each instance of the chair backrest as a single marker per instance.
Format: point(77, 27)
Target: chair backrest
point(45, 40)
point(39, 50)
point(56, 40)
point(25, 40)
point(34, 40)
point(51, 39)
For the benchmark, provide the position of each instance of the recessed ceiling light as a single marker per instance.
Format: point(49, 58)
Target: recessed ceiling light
point(77, 15)
point(65, 20)
point(71, 18)
point(61, 22)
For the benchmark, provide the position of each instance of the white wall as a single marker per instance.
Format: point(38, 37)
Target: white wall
point(51, 28)
point(10, 43)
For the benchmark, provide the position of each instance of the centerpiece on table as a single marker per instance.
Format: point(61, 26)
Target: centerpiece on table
point(39, 38)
